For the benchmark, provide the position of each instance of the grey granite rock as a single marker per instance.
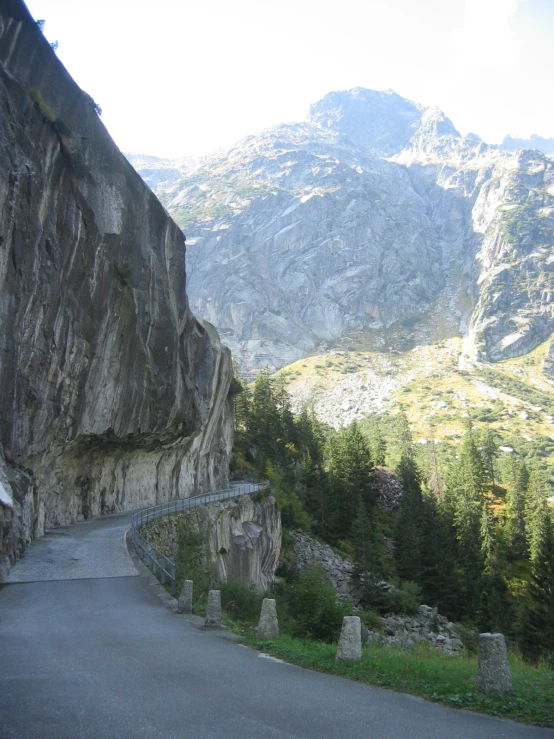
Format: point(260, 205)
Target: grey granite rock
point(213, 610)
point(350, 642)
point(113, 394)
point(493, 670)
point(268, 626)
point(373, 213)
point(184, 604)
point(242, 537)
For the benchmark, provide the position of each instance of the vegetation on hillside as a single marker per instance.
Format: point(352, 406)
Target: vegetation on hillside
point(474, 534)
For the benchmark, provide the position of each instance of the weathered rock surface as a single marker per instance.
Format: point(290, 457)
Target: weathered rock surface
point(268, 626)
point(184, 604)
point(374, 212)
point(350, 641)
point(309, 552)
point(243, 538)
point(113, 395)
point(213, 610)
point(426, 626)
point(389, 487)
point(493, 670)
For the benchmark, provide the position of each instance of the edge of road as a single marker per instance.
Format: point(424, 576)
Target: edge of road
point(168, 601)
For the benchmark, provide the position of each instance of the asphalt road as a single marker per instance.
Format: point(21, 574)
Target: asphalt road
point(87, 650)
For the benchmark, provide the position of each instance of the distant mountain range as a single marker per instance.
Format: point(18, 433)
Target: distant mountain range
point(374, 214)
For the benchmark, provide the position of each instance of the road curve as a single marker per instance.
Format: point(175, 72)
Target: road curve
point(87, 650)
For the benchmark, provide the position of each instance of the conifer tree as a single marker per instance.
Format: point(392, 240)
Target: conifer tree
point(350, 478)
point(264, 421)
point(490, 453)
point(366, 542)
point(465, 496)
point(377, 443)
point(435, 482)
point(438, 580)
point(516, 505)
point(408, 527)
point(492, 601)
point(538, 623)
point(535, 507)
point(243, 400)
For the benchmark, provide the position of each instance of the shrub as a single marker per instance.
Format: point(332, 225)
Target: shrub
point(93, 104)
point(192, 559)
point(40, 105)
point(371, 620)
point(312, 607)
point(240, 600)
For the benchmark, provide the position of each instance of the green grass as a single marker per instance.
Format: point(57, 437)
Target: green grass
point(426, 673)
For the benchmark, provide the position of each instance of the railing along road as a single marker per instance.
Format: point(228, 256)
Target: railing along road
point(156, 560)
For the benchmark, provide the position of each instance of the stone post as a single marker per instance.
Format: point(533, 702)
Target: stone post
point(213, 610)
point(185, 599)
point(493, 670)
point(268, 627)
point(350, 642)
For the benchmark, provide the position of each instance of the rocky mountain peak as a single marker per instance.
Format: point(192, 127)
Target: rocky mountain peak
point(374, 213)
point(382, 123)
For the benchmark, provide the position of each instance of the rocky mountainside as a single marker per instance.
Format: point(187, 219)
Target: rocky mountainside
point(113, 394)
point(534, 142)
point(373, 214)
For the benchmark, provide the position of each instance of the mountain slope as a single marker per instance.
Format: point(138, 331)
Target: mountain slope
point(113, 394)
point(374, 212)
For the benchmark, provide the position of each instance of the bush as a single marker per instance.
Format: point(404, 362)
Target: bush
point(41, 106)
point(241, 601)
point(93, 104)
point(192, 559)
point(371, 620)
point(400, 598)
point(312, 608)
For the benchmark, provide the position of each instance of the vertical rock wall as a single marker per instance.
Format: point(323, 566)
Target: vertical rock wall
point(113, 394)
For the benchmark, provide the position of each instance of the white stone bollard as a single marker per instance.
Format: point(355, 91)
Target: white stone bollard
point(185, 599)
point(213, 610)
point(350, 642)
point(493, 670)
point(268, 627)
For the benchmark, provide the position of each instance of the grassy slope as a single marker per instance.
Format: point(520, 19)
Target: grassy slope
point(424, 672)
point(512, 396)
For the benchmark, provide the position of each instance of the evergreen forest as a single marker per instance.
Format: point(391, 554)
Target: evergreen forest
point(473, 535)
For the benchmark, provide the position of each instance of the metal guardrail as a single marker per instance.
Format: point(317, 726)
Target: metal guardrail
point(156, 560)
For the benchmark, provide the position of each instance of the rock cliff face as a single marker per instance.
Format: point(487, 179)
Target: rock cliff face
point(113, 394)
point(243, 538)
point(373, 213)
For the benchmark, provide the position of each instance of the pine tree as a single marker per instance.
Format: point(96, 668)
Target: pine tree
point(465, 495)
point(438, 580)
point(492, 601)
point(408, 526)
point(538, 624)
point(350, 478)
point(264, 421)
point(366, 542)
point(516, 504)
point(490, 453)
point(535, 507)
point(435, 483)
point(243, 400)
point(377, 443)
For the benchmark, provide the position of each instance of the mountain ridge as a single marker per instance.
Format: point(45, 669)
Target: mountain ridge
point(383, 212)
